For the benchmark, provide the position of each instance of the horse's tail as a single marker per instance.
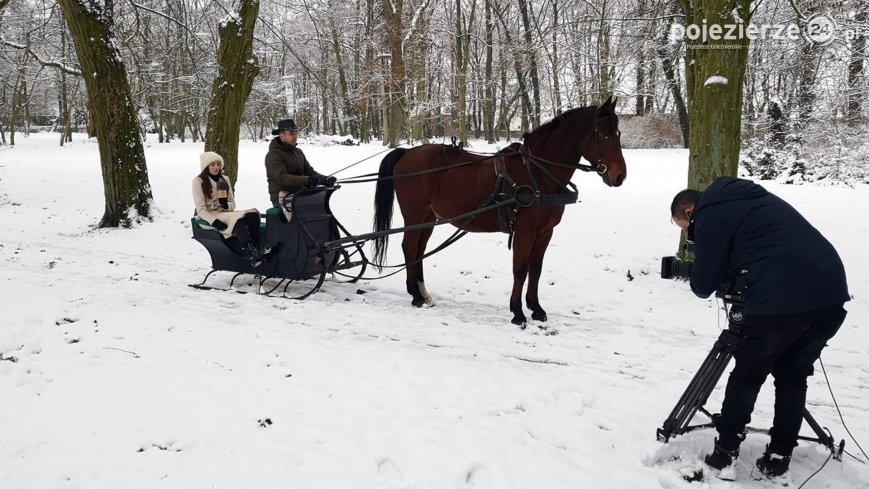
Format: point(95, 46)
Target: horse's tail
point(383, 203)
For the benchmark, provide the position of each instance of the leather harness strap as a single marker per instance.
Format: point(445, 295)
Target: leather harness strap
point(524, 195)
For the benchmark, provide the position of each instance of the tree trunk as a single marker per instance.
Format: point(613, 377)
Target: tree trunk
point(488, 80)
point(365, 70)
point(531, 62)
point(237, 66)
point(16, 103)
point(395, 102)
point(463, 42)
point(651, 90)
point(65, 120)
point(808, 65)
point(715, 90)
point(556, 75)
point(640, 96)
point(520, 77)
point(603, 55)
point(856, 68)
point(125, 174)
point(673, 84)
point(349, 113)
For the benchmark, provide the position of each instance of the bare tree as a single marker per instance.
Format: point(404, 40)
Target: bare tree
point(464, 24)
point(667, 54)
point(237, 68)
point(857, 68)
point(122, 156)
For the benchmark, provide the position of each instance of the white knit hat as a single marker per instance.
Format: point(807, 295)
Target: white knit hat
point(208, 158)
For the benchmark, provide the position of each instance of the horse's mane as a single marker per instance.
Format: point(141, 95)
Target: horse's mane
point(556, 121)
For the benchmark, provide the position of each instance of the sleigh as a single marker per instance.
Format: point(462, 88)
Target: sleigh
point(298, 255)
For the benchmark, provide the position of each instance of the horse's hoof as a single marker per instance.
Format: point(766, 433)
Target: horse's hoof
point(539, 316)
point(417, 302)
point(520, 321)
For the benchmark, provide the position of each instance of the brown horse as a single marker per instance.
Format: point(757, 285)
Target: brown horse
point(529, 181)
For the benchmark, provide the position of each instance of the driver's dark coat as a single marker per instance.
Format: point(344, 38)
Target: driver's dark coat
point(776, 259)
point(286, 168)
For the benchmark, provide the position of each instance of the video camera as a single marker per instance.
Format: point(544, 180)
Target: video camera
point(673, 268)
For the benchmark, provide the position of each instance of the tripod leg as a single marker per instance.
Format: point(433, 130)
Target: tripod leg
point(823, 437)
point(701, 386)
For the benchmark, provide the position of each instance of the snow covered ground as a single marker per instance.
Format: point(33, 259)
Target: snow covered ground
point(115, 374)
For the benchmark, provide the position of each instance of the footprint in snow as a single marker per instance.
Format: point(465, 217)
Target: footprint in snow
point(390, 476)
point(479, 478)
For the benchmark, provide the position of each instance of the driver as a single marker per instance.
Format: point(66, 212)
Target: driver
point(287, 169)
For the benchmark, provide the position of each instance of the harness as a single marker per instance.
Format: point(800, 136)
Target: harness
point(525, 195)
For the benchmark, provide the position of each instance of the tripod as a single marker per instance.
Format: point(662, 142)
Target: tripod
point(695, 396)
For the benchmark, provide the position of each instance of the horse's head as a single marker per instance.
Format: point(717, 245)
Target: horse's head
point(604, 149)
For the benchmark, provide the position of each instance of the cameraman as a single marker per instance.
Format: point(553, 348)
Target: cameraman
point(793, 285)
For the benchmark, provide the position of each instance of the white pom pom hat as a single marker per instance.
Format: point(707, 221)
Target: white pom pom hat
point(208, 158)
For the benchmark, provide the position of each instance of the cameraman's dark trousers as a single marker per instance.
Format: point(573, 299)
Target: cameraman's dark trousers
point(786, 346)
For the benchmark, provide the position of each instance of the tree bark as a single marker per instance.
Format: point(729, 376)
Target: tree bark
point(520, 79)
point(236, 69)
point(715, 90)
point(463, 41)
point(640, 96)
point(365, 69)
point(556, 70)
point(531, 62)
point(488, 80)
point(122, 156)
point(395, 109)
point(349, 114)
point(672, 78)
point(856, 69)
point(603, 56)
point(20, 80)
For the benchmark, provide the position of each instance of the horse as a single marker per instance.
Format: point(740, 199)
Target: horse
point(520, 190)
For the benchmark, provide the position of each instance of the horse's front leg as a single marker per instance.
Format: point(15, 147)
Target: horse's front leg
point(535, 268)
point(521, 250)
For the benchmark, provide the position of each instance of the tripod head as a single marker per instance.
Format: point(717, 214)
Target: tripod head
point(733, 303)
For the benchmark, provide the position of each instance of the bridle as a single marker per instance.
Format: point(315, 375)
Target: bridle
point(597, 166)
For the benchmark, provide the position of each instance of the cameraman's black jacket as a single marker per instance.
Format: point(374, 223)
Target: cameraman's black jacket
point(765, 248)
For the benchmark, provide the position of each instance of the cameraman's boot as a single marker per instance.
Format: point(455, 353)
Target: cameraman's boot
point(773, 465)
point(722, 459)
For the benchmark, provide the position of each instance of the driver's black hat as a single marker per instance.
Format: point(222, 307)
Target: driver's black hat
point(285, 125)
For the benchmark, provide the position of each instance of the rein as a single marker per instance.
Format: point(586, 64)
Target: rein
point(365, 178)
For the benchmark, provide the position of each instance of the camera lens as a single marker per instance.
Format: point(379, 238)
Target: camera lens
point(672, 267)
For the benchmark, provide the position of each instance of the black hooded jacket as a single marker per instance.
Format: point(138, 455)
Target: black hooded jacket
point(765, 248)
